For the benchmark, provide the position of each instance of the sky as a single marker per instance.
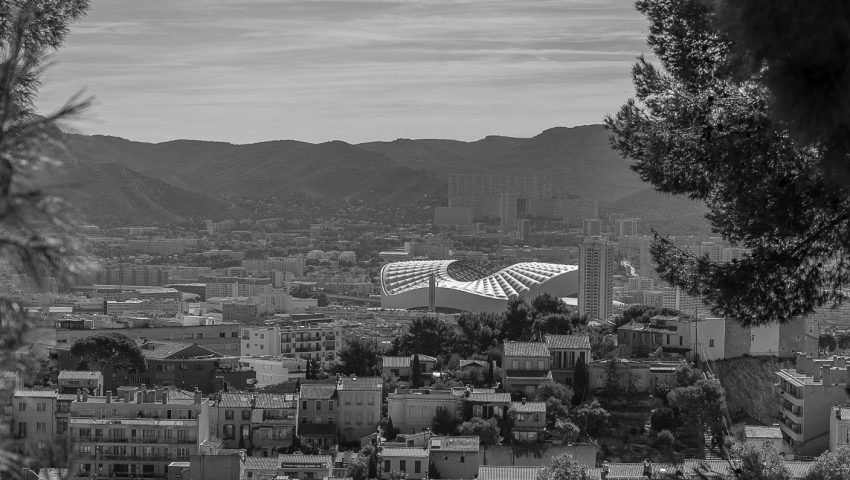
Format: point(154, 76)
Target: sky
point(244, 71)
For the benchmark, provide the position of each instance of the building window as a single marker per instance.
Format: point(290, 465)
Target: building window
point(711, 342)
point(417, 466)
point(303, 404)
point(515, 364)
point(228, 414)
point(22, 407)
point(85, 448)
point(402, 466)
point(40, 427)
point(228, 432)
point(318, 404)
point(330, 405)
point(462, 459)
point(41, 407)
point(221, 335)
point(246, 415)
point(387, 465)
point(680, 341)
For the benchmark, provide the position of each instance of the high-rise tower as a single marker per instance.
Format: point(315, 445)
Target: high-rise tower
point(596, 278)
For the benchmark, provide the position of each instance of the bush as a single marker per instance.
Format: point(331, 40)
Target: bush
point(663, 419)
point(665, 439)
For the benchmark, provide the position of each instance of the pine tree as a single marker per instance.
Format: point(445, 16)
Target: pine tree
point(491, 380)
point(308, 374)
point(415, 372)
point(389, 430)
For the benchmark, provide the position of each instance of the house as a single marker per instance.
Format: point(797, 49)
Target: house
point(485, 403)
point(182, 365)
point(839, 427)
point(410, 461)
point(257, 422)
point(565, 351)
point(413, 410)
point(529, 421)
point(291, 466)
point(525, 365)
point(703, 337)
point(71, 380)
point(764, 435)
point(455, 457)
point(636, 375)
point(318, 415)
point(359, 401)
point(33, 426)
point(400, 367)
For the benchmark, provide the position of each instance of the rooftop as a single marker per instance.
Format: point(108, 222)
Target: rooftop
point(405, 452)
point(360, 383)
point(455, 444)
point(528, 407)
point(35, 394)
point(489, 397)
point(576, 342)
point(755, 431)
point(491, 472)
point(526, 349)
point(318, 391)
point(79, 375)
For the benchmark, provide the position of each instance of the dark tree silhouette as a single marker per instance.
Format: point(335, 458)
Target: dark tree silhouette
point(110, 350)
point(701, 126)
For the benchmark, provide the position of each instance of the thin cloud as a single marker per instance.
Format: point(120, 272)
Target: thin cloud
point(354, 70)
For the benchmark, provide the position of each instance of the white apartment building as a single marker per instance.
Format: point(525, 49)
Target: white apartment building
point(596, 278)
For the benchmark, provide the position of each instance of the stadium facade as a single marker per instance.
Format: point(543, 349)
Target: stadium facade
point(465, 286)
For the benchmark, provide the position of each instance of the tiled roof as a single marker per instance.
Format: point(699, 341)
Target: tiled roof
point(160, 350)
point(361, 383)
point(67, 397)
point(35, 394)
point(625, 471)
point(318, 391)
point(417, 452)
point(473, 363)
point(261, 463)
point(455, 444)
point(799, 470)
point(578, 342)
point(306, 459)
point(754, 431)
point(235, 400)
point(489, 397)
point(275, 400)
point(491, 472)
point(528, 407)
point(79, 375)
point(526, 349)
point(844, 412)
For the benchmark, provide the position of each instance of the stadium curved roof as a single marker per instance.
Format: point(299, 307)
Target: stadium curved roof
point(517, 279)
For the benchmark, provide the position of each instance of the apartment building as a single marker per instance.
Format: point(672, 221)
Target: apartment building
point(316, 341)
point(565, 350)
point(359, 400)
point(135, 434)
point(807, 394)
point(34, 427)
point(260, 423)
point(839, 427)
point(274, 370)
point(525, 365)
point(318, 415)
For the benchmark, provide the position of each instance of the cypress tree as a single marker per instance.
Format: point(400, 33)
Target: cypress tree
point(415, 372)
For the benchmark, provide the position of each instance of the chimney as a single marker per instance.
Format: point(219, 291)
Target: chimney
point(109, 397)
point(198, 396)
point(801, 362)
point(523, 400)
point(85, 394)
point(79, 395)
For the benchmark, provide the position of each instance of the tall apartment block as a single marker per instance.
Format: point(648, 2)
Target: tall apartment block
point(596, 278)
point(508, 212)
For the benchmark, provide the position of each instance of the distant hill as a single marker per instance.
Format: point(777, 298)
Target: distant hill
point(661, 212)
point(190, 173)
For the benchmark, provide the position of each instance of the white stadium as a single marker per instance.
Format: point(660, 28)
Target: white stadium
point(464, 286)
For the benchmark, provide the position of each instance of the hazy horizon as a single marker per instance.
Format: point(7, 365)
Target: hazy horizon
point(356, 71)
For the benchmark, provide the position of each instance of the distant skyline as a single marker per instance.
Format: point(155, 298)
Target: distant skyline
point(244, 71)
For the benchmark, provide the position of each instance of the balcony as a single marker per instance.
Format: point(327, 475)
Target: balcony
point(305, 349)
point(329, 345)
point(791, 398)
point(792, 429)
